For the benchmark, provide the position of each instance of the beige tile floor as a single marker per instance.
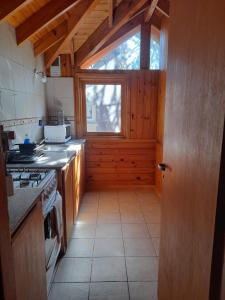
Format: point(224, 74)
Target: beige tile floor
point(113, 252)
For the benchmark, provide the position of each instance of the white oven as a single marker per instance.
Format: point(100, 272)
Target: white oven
point(57, 133)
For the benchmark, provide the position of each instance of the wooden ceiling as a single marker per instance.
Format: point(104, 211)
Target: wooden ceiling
point(76, 26)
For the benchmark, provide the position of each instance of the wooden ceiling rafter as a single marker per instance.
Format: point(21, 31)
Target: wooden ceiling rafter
point(111, 4)
point(160, 5)
point(51, 38)
point(126, 31)
point(150, 10)
point(42, 17)
point(163, 7)
point(7, 7)
point(122, 14)
point(82, 10)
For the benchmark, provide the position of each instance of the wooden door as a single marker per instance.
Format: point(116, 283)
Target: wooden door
point(194, 118)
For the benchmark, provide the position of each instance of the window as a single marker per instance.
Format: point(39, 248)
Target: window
point(125, 57)
point(154, 49)
point(103, 108)
point(102, 104)
point(154, 54)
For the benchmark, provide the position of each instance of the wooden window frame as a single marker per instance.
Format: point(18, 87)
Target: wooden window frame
point(81, 81)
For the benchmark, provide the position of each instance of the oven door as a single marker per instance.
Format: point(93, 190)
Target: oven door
point(53, 235)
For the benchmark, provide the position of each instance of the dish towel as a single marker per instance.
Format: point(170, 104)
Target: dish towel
point(57, 206)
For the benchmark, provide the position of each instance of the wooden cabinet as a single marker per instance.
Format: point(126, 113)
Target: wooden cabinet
point(68, 198)
point(79, 179)
point(71, 181)
point(29, 257)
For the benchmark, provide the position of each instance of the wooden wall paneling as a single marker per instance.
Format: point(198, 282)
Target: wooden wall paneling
point(161, 99)
point(130, 159)
point(127, 162)
point(66, 65)
point(144, 98)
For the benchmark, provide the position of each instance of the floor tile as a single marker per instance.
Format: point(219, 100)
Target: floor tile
point(109, 207)
point(143, 290)
point(142, 268)
point(139, 247)
point(108, 217)
point(91, 196)
point(69, 291)
point(108, 231)
point(80, 248)
point(152, 217)
point(109, 291)
point(108, 247)
point(154, 229)
point(84, 231)
point(87, 218)
point(135, 231)
point(73, 270)
point(131, 217)
point(124, 196)
point(156, 243)
point(109, 269)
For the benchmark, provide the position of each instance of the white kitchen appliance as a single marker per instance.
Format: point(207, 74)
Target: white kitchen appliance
point(57, 133)
point(46, 180)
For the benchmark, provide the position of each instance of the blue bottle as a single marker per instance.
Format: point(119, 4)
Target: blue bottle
point(26, 139)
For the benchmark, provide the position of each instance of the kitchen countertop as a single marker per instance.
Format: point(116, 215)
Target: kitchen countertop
point(20, 205)
point(54, 159)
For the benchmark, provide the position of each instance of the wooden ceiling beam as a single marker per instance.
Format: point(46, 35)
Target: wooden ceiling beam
point(126, 31)
point(82, 10)
point(51, 38)
point(150, 10)
point(42, 17)
point(164, 7)
point(122, 14)
point(9, 6)
point(111, 12)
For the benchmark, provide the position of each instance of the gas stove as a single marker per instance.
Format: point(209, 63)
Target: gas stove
point(30, 178)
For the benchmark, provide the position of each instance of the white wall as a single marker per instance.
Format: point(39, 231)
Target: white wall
point(60, 96)
point(22, 96)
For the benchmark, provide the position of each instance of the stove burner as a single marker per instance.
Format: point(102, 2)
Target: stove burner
point(26, 177)
point(24, 183)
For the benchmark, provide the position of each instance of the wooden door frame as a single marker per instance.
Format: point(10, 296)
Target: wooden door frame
point(7, 277)
point(217, 291)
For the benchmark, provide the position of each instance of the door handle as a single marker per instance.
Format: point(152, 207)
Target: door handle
point(162, 167)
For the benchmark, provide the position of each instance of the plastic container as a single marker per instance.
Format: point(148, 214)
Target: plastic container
point(26, 139)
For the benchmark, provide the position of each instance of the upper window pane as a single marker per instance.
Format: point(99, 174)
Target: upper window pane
point(125, 57)
point(154, 54)
point(103, 108)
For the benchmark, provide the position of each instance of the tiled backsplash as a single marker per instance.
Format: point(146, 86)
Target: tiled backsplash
point(22, 96)
point(60, 97)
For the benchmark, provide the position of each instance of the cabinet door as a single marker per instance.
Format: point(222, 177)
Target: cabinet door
point(69, 194)
point(29, 257)
point(79, 179)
